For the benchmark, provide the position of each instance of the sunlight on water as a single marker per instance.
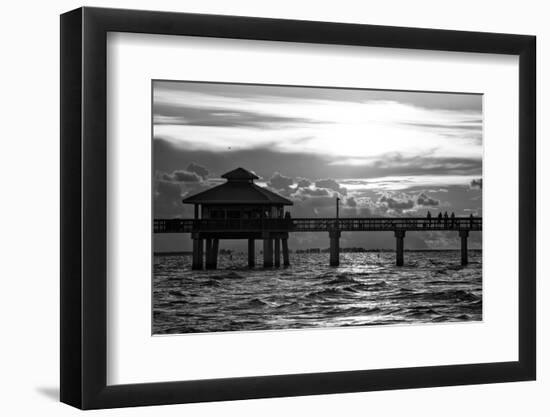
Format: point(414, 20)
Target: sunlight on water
point(367, 289)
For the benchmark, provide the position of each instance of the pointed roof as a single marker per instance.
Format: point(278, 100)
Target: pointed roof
point(239, 189)
point(240, 174)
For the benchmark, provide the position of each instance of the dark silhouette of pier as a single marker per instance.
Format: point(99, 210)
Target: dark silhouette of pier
point(240, 209)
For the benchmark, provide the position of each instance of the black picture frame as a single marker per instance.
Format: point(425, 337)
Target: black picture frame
point(84, 207)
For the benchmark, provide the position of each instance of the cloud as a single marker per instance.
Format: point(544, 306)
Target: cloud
point(424, 200)
point(313, 201)
point(180, 176)
point(432, 162)
point(331, 185)
point(303, 182)
point(313, 192)
point(169, 91)
point(397, 205)
point(167, 200)
point(350, 202)
point(314, 206)
point(477, 183)
point(198, 169)
point(466, 124)
point(220, 116)
point(171, 187)
point(280, 182)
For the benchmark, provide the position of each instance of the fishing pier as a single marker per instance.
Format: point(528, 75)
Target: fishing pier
point(240, 209)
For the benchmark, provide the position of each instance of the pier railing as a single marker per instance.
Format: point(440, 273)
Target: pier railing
point(221, 225)
point(318, 224)
point(373, 224)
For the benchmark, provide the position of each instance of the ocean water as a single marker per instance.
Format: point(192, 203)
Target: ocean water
point(366, 289)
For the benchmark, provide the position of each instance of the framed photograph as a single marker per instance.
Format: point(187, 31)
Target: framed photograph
point(259, 208)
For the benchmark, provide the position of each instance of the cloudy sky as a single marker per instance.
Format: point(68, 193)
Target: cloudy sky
point(384, 153)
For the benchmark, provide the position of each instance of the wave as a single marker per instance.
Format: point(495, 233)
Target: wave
point(350, 284)
point(474, 305)
point(450, 282)
point(447, 295)
point(375, 285)
point(291, 306)
point(228, 275)
point(351, 311)
point(362, 310)
point(440, 319)
point(341, 279)
point(255, 302)
point(420, 312)
point(326, 292)
point(458, 295)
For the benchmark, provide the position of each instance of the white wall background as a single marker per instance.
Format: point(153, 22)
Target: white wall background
point(29, 236)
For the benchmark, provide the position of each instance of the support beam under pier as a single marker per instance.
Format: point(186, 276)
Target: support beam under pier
point(463, 246)
point(208, 254)
point(334, 236)
point(214, 254)
point(268, 252)
point(197, 253)
point(277, 242)
point(286, 260)
point(251, 253)
point(399, 247)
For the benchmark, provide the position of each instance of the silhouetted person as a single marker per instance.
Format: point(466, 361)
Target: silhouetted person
point(446, 217)
point(439, 217)
point(453, 219)
point(429, 217)
point(471, 220)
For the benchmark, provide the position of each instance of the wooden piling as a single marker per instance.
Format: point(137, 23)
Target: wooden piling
point(464, 246)
point(286, 260)
point(399, 246)
point(251, 253)
point(334, 236)
point(208, 254)
point(277, 243)
point(197, 253)
point(268, 252)
point(214, 254)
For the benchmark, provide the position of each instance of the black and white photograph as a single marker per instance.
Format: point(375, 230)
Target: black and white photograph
point(298, 207)
point(294, 208)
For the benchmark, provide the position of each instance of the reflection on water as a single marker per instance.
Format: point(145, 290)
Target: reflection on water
point(367, 289)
